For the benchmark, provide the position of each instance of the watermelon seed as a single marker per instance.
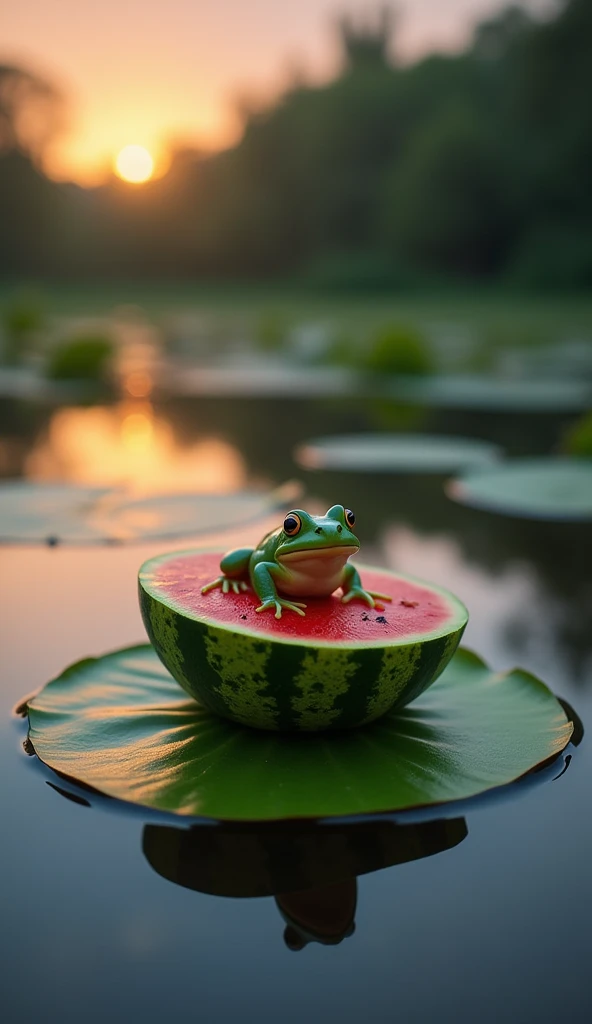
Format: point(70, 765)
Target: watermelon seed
point(409, 604)
point(381, 618)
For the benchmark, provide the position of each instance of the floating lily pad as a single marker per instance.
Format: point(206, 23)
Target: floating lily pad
point(543, 488)
point(32, 513)
point(36, 513)
point(396, 453)
point(23, 383)
point(183, 515)
point(262, 380)
point(121, 725)
point(491, 394)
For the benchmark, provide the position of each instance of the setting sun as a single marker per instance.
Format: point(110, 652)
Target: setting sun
point(134, 164)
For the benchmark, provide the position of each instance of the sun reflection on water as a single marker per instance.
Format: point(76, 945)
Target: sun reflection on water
point(130, 444)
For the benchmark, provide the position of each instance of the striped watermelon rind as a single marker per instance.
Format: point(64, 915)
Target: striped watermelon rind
point(261, 678)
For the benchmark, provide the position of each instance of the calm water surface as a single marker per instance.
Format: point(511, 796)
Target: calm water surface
point(493, 925)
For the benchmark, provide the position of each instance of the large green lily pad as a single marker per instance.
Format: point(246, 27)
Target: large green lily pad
point(121, 725)
point(37, 513)
point(538, 488)
point(396, 453)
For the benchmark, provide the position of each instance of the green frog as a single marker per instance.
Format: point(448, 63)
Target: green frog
point(306, 557)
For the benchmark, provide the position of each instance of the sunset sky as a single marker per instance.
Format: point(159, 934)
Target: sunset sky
point(155, 73)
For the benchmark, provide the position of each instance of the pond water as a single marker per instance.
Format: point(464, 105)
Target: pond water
point(111, 915)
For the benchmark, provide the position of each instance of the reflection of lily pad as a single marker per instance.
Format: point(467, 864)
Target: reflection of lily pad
point(544, 488)
point(265, 859)
point(491, 394)
point(121, 725)
point(33, 513)
point(396, 453)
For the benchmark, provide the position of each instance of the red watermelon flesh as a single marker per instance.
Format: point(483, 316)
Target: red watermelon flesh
point(415, 609)
point(338, 666)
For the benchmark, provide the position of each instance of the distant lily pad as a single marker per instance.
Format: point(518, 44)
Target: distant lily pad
point(122, 726)
point(183, 515)
point(396, 453)
point(491, 394)
point(540, 488)
point(36, 513)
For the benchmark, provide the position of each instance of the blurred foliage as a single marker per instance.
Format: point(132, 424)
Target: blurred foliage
point(386, 414)
point(578, 439)
point(443, 204)
point(350, 272)
point(342, 350)
point(473, 165)
point(20, 320)
point(554, 255)
point(397, 349)
point(84, 358)
point(270, 332)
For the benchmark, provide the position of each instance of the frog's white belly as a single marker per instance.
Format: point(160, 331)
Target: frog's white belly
point(313, 574)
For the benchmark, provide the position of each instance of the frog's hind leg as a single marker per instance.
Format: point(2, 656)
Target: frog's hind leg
point(235, 567)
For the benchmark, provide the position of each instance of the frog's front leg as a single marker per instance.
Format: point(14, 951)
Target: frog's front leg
point(351, 585)
point(234, 565)
point(262, 578)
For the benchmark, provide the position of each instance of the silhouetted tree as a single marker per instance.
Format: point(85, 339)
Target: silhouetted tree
point(32, 111)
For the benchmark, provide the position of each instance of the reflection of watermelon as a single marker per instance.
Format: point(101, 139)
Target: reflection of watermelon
point(339, 666)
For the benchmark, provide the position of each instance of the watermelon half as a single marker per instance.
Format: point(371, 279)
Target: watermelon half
point(339, 666)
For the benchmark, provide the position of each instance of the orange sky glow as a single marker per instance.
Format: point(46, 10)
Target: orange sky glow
point(162, 75)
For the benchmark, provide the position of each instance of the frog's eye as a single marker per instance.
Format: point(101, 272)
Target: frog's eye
point(349, 517)
point(292, 524)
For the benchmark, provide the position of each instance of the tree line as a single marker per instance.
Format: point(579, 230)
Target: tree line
point(465, 167)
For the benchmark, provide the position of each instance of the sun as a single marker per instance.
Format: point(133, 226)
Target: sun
point(135, 164)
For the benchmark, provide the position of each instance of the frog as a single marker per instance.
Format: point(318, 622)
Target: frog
point(307, 556)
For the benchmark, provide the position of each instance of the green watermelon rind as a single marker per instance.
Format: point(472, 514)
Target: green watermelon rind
point(293, 684)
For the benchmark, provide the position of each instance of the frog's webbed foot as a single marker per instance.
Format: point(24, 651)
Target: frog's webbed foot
point(365, 595)
point(226, 584)
point(279, 603)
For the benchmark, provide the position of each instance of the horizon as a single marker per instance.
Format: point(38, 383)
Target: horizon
point(114, 98)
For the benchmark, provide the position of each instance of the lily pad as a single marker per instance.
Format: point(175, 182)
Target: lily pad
point(541, 488)
point(263, 379)
point(121, 725)
point(493, 394)
point(36, 513)
point(182, 515)
point(396, 453)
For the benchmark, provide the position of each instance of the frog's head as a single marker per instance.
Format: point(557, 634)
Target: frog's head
point(323, 536)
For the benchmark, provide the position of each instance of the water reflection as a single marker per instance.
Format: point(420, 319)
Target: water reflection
point(310, 869)
point(522, 580)
point(534, 569)
point(243, 860)
point(129, 443)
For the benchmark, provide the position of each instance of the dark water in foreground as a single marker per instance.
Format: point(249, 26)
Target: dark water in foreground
point(489, 926)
